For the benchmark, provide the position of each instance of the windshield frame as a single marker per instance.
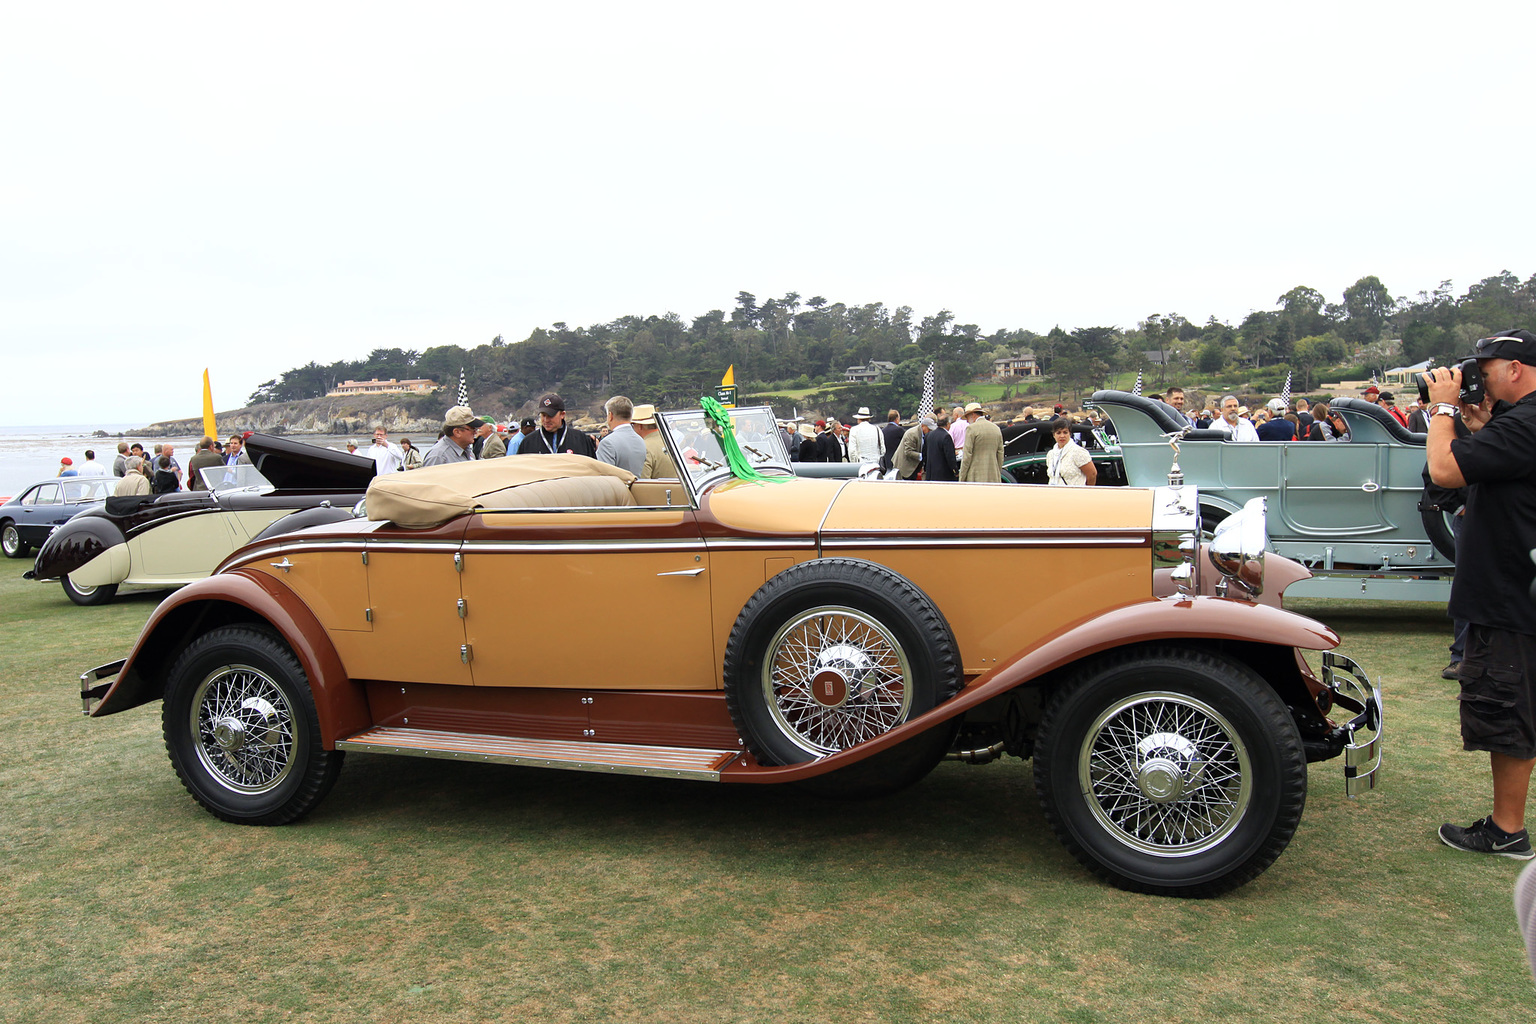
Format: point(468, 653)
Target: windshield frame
point(765, 447)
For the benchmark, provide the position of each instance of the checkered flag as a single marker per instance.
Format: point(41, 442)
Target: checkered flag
point(463, 390)
point(1136, 388)
point(1285, 392)
point(1374, 381)
point(925, 407)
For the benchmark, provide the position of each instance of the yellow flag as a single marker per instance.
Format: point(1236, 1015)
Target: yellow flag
point(729, 380)
point(208, 424)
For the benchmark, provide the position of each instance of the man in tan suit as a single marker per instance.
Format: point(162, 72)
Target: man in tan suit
point(983, 458)
point(658, 463)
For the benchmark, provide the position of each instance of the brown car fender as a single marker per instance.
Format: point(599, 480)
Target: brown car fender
point(1201, 619)
point(231, 598)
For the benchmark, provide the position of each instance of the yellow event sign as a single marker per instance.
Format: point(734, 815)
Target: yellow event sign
point(725, 394)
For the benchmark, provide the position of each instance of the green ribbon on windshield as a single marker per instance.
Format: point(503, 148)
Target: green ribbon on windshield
point(741, 468)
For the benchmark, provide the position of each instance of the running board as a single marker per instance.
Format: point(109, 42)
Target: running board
point(576, 755)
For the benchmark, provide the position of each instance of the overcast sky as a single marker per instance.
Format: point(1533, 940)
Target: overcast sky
point(249, 187)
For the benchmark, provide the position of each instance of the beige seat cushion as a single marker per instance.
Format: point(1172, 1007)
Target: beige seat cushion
point(432, 496)
point(568, 492)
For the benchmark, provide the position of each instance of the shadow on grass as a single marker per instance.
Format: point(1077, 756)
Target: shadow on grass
point(990, 810)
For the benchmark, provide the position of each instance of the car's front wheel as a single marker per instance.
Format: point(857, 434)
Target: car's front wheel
point(241, 728)
point(11, 543)
point(83, 595)
point(1171, 771)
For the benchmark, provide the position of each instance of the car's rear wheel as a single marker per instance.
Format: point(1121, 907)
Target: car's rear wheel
point(241, 728)
point(1173, 772)
point(11, 543)
point(830, 653)
point(83, 595)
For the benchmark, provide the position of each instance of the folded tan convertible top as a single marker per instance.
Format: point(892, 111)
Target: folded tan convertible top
point(428, 497)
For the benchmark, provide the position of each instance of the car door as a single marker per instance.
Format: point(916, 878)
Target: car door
point(38, 510)
point(607, 598)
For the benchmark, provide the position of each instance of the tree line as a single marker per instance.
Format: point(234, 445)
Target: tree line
point(790, 344)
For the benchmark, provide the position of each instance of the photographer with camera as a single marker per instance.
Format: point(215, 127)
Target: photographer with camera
point(1496, 393)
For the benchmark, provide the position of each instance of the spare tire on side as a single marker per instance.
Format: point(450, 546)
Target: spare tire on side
point(833, 652)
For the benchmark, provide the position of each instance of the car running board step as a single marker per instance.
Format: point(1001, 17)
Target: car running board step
point(576, 755)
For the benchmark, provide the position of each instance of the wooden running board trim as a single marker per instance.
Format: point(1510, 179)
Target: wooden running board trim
point(574, 755)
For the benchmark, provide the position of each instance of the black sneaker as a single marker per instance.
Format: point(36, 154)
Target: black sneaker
point(1483, 836)
point(1450, 671)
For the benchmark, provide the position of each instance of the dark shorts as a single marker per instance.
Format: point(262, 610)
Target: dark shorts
point(1498, 692)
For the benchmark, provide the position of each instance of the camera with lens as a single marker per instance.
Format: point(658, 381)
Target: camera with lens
point(1471, 383)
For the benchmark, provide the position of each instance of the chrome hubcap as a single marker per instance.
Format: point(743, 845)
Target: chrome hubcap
point(834, 677)
point(243, 728)
point(1165, 774)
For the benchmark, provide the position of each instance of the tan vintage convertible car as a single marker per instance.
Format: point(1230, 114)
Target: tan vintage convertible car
point(841, 635)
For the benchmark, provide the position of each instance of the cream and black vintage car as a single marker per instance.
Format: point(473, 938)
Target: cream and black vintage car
point(169, 540)
point(840, 635)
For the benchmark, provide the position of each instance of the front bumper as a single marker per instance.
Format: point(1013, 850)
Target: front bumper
point(1354, 692)
point(92, 691)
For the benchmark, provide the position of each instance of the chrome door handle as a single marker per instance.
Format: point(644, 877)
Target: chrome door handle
point(284, 565)
point(683, 572)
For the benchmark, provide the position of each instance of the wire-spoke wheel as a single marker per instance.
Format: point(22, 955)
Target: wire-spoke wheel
point(831, 653)
point(244, 729)
point(1165, 774)
point(833, 677)
point(241, 728)
point(1171, 771)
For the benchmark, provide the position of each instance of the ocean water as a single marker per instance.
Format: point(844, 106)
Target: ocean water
point(32, 453)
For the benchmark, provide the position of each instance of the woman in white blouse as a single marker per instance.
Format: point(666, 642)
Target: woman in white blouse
point(1068, 464)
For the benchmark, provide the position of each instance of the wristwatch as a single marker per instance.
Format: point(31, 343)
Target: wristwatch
point(1444, 409)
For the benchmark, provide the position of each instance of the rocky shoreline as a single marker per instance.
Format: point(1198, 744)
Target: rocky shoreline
point(398, 414)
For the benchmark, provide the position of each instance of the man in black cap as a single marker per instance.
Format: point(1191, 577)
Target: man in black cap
point(459, 426)
point(1495, 575)
point(555, 435)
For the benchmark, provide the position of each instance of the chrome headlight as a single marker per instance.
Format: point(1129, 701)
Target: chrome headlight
point(1237, 549)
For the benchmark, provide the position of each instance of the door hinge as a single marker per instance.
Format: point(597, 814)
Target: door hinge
point(458, 561)
point(466, 653)
point(365, 558)
point(368, 614)
point(463, 608)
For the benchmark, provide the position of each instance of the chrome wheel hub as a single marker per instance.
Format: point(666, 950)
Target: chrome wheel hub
point(243, 729)
point(1165, 774)
point(833, 677)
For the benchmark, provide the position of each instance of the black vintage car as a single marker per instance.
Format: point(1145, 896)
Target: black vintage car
point(173, 539)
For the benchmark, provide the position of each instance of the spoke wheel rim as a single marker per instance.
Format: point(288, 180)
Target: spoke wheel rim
point(833, 677)
point(243, 728)
point(10, 540)
point(1165, 774)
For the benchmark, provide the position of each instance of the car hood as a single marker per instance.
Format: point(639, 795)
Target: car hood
point(803, 506)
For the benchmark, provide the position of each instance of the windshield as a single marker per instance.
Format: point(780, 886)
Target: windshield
point(696, 448)
point(90, 489)
point(239, 477)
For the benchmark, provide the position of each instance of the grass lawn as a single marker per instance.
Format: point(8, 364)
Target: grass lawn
point(432, 891)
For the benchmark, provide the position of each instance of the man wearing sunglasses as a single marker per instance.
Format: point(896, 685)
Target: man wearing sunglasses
point(1495, 574)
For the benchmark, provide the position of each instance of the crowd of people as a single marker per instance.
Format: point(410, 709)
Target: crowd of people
point(158, 471)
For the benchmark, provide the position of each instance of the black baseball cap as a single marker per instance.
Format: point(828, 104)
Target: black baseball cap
point(528, 422)
point(551, 404)
point(1515, 344)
